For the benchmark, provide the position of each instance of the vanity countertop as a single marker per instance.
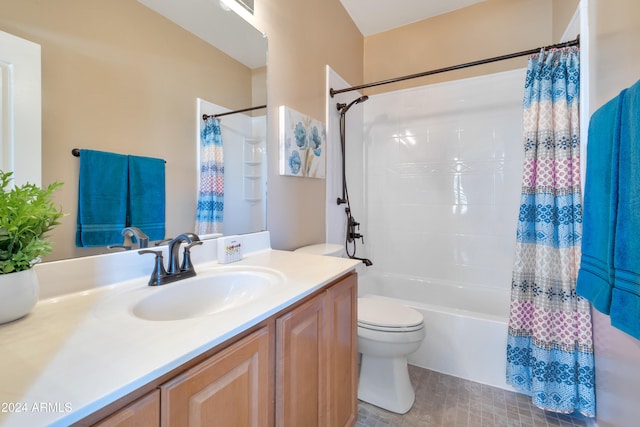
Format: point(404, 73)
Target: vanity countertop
point(66, 359)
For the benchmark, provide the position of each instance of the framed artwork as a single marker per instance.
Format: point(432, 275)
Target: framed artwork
point(303, 144)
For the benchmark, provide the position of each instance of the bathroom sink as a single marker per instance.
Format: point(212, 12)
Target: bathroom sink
point(213, 290)
point(206, 294)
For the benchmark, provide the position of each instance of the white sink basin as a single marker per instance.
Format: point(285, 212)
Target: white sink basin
point(212, 291)
point(204, 295)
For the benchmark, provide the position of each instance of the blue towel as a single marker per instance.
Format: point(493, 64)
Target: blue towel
point(147, 196)
point(102, 198)
point(595, 278)
point(625, 303)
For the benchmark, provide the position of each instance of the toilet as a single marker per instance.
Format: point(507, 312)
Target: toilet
point(325, 249)
point(388, 332)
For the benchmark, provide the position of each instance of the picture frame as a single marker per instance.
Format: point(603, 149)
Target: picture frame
point(303, 143)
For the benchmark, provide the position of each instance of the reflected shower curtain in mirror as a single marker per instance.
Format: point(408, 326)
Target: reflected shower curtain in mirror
point(211, 190)
point(550, 346)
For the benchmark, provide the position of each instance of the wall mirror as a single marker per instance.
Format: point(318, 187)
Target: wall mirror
point(128, 77)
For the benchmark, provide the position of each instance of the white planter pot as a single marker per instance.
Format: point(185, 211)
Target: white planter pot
point(18, 294)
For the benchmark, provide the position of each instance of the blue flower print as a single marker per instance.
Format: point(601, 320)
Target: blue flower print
point(315, 141)
point(301, 135)
point(295, 162)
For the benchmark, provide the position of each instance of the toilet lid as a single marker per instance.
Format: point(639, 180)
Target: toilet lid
point(324, 249)
point(377, 313)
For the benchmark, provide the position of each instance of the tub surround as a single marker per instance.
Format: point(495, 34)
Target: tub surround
point(65, 361)
point(447, 158)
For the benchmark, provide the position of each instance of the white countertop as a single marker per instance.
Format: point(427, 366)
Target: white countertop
point(66, 359)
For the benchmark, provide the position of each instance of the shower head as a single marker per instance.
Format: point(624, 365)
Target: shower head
point(343, 108)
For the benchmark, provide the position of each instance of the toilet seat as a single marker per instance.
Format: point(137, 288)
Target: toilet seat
point(383, 315)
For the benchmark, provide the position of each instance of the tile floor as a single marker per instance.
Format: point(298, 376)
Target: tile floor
point(447, 401)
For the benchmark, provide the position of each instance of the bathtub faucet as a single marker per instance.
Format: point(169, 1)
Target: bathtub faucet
point(365, 261)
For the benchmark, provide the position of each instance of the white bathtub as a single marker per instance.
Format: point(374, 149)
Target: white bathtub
point(466, 326)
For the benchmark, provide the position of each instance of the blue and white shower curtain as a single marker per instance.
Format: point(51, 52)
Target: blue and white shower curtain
point(550, 345)
point(210, 209)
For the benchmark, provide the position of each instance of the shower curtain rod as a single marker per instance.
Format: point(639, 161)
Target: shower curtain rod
point(575, 42)
point(214, 116)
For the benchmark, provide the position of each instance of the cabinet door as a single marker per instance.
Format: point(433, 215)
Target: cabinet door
point(343, 352)
point(301, 362)
point(144, 412)
point(232, 388)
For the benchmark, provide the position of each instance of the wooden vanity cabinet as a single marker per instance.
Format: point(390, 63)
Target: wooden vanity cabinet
point(316, 360)
point(298, 369)
point(232, 388)
point(144, 412)
point(342, 302)
point(301, 365)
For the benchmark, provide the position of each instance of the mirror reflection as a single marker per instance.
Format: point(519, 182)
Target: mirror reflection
point(127, 77)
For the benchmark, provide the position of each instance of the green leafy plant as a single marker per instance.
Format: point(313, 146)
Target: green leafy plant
point(26, 214)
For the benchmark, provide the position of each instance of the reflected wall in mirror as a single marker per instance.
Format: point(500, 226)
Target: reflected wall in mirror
point(121, 77)
point(20, 109)
point(245, 168)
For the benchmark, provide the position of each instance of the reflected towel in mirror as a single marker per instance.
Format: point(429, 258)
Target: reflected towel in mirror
point(147, 196)
point(102, 198)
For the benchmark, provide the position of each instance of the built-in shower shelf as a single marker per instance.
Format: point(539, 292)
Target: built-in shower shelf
point(253, 169)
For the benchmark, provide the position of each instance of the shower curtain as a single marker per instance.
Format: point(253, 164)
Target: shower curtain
point(211, 189)
point(550, 346)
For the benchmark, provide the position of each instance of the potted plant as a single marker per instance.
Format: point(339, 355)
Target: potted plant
point(26, 214)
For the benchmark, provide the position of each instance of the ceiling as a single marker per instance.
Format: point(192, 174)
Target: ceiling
point(219, 27)
point(376, 16)
point(224, 29)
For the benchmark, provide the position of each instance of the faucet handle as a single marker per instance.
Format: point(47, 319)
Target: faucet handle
point(158, 272)
point(186, 257)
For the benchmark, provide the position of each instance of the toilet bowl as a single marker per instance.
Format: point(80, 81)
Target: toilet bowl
point(387, 333)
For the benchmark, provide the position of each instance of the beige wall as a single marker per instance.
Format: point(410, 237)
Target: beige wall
point(614, 65)
point(106, 58)
point(304, 36)
point(118, 77)
point(484, 30)
point(563, 11)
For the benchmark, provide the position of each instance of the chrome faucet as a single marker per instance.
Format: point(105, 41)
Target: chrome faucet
point(175, 270)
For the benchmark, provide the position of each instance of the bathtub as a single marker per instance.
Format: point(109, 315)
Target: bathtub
point(466, 326)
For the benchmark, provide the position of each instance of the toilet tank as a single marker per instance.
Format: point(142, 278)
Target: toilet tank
point(325, 249)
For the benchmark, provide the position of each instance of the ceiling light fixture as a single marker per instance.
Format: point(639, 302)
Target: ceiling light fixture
point(238, 6)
